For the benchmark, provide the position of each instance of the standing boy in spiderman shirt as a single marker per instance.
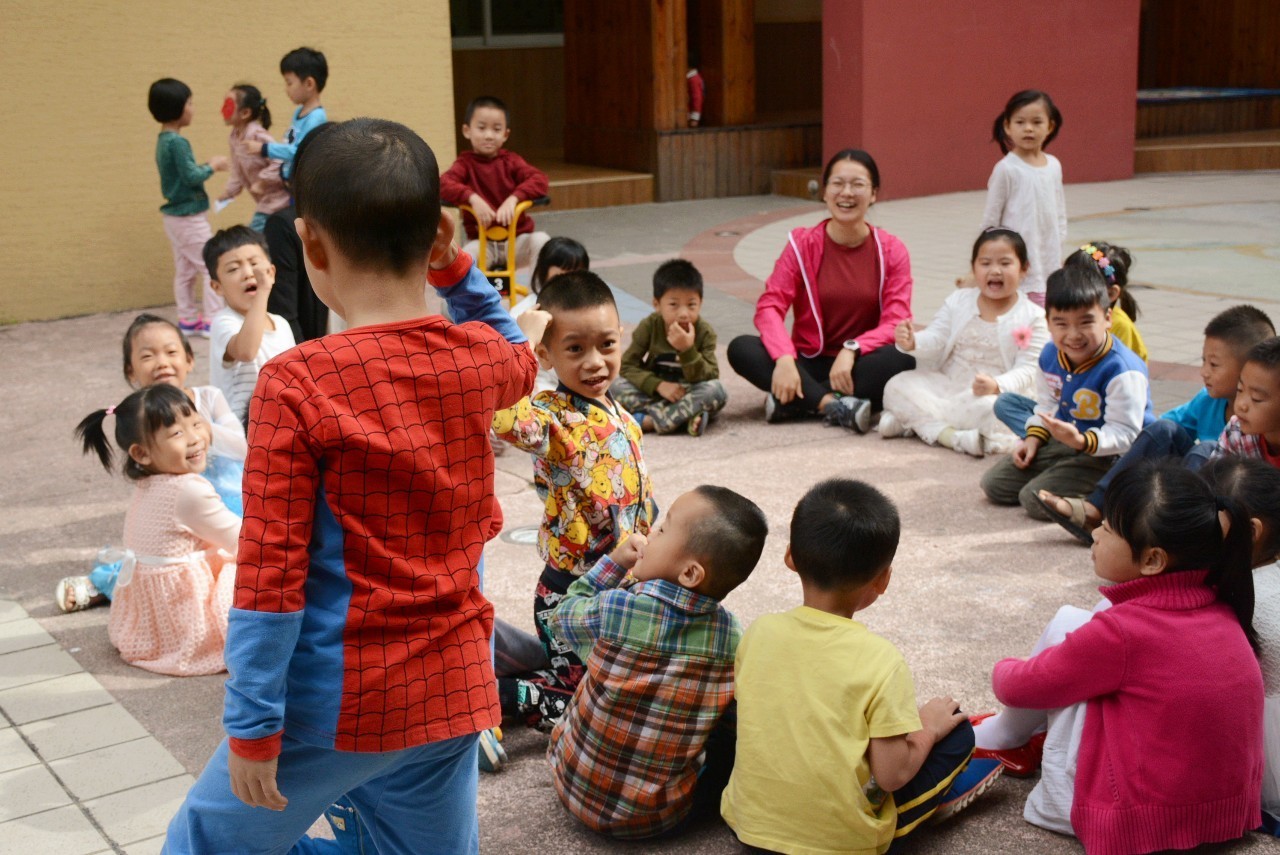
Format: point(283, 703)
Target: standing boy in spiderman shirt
point(358, 643)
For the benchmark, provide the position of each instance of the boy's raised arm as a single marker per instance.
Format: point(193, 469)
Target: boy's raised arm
point(579, 615)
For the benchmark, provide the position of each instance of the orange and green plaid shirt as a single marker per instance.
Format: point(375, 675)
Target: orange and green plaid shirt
point(626, 755)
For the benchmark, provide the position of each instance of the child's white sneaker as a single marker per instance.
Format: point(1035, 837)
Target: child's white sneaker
point(890, 427)
point(967, 442)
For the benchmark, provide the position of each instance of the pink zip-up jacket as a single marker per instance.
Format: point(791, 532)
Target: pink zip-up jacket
point(793, 286)
point(249, 166)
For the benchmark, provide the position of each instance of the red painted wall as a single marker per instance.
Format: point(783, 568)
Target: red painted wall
point(918, 83)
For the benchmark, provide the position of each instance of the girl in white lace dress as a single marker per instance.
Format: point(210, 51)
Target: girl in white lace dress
point(983, 341)
point(173, 593)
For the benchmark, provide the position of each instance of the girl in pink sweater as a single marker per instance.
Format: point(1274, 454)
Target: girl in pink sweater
point(1168, 753)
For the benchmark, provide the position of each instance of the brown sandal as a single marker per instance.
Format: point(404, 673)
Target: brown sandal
point(1077, 522)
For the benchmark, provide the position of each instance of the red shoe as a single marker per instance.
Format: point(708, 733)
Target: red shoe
point(1020, 762)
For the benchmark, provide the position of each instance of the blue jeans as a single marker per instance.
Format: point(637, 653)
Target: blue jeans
point(1161, 438)
point(1014, 410)
point(417, 801)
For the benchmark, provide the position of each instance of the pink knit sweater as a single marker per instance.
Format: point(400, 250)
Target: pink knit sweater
point(1171, 754)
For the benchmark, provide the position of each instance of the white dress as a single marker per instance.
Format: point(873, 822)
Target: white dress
point(1029, 200)
point(928, 402)
point(1266, 620)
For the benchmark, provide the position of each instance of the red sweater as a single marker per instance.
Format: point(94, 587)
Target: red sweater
point(1171, 755)
point(505, 174)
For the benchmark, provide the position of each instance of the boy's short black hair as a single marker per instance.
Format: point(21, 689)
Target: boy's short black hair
point(728, 540)
point(843, 534)
point(1076, 287)
point(225, 240)
point(1240, 328)
point(676, 274)
point(306, 62)
point(373, 186)
point(577, 289)
point(167, 99)
point(486, 101)
point(1265, 353)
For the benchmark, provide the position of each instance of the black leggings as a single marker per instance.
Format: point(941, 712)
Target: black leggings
point(870, 373)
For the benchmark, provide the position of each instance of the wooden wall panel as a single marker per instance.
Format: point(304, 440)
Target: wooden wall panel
point(724, 31)
point(732, 161)
point(1209, 43)
point(788, 68)
point(1206, 117)
point(530, 81)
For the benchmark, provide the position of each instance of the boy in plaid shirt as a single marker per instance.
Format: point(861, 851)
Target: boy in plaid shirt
point(642, 747)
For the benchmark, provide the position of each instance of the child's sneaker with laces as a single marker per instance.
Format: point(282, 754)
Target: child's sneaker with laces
point(975, 779)
point(850, 412)
point(199, 327)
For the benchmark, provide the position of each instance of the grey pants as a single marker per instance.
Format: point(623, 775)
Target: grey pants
point(1056, 468)
point(706, 397)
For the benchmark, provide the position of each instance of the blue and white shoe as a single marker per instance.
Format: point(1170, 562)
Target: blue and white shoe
point(974, 780)
point(492, 755)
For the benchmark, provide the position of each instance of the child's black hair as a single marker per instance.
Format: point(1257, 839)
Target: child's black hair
point(1001, 233)
point(1240, 328)
point(138, 417)
point(250, 97)
point(225, 240)
point(729, 539)
point(578, 289)
point(563, 252)
point(373, 186)
point(1255, 486)
point(306, 62)
point(1119, 263)
point(138, 324)
point(1161, 503)
point(676, 274)
point(167, 99)
point(489, 101)
point(1016, 103)
point(1265, 353)
point(1075, 288)
point(857, 155)
point(843, 534)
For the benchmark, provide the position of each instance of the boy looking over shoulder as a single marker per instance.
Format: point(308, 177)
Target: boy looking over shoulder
point(358, 642)
point(670, 378)
point(492, 180)
point(244, 335)
point(642, 744)
point(832, 753)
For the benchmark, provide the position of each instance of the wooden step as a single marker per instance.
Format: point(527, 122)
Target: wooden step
point(801, 183)
point(1244, 150)
point(574, 185)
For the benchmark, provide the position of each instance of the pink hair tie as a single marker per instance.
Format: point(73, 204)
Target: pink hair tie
point(111, 410)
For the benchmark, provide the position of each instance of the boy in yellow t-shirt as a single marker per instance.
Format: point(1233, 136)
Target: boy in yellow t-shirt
point(833, 755)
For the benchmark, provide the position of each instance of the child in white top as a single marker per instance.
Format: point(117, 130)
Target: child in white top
point(172, 596)
point(983, 341)
point(244, 335)
point(1025, 189)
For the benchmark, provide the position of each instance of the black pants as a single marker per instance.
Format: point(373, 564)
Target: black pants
point(540, 697)
point(749, 358)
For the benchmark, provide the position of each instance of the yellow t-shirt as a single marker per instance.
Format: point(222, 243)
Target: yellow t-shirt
point(1123, 328)
point(813, 688)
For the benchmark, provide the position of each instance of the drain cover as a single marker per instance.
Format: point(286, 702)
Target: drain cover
point(525, 534)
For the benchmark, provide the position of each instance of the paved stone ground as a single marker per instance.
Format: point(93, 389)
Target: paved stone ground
point(94, 754)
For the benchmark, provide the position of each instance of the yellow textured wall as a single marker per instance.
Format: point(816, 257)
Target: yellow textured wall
point(80, 229)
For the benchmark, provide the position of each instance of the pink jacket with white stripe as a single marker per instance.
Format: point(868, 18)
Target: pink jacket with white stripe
point(793, 286)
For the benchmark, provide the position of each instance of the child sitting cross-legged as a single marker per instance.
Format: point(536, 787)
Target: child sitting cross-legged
point(644, 745)
point(833, 754)
point(587, 469)
point(1093, 398)
point(670, 378)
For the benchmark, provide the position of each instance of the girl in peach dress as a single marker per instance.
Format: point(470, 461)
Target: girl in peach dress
point(170, 601)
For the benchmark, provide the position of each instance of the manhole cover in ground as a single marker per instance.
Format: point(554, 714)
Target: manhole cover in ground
point(525, 534)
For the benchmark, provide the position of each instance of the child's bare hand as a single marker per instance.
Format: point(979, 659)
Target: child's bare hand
point(904, 336)
point(1025, 454)
point(507, 211)
point(627, 553)
point(681, 336)
point(266, 279)
point(220, 163)
point(669, 391)
point(533, 324)
point(939, 716)
point(481, 208)
point(256, 188)
point(1064, 432)
point(985, 384)
point(254, 782)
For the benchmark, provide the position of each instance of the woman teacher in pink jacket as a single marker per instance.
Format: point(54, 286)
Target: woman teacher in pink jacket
point(848, 285)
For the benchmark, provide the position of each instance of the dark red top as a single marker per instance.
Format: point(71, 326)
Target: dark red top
point(848, 292)
point(505, 174)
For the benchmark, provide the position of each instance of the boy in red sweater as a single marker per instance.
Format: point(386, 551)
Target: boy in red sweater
point(493, 181)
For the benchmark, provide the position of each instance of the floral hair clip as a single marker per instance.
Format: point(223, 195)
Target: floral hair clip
point(1104, 263)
